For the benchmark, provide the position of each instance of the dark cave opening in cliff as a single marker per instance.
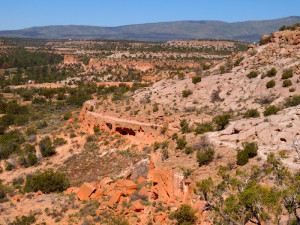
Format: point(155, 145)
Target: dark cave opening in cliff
point(125, 131)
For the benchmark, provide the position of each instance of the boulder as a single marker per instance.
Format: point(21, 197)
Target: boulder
point(71, 190)
point(105, 181)
point(127, 186)
point(137, 206)
point(98, 194)
point(85, 191)
point(114, 199)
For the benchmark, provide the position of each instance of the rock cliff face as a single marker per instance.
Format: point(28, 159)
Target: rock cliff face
point(138, 131)
point(168, 186)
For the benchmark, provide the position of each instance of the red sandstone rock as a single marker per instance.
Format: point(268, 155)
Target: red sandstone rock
point(85, 191)
point(105, 181)
point(98, 194)
point(144, 191)
point(137, 206)
point(38, 193)
point(110, 188)
point(160, 217)
point(71, 190)
point(114, 199)
point(141, 180)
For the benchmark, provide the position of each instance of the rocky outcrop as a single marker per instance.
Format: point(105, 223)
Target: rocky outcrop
point(167, 185)
point(143, 132)
point(69, 59)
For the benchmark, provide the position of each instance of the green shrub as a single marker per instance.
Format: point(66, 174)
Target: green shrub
point(204, 128)
point(196, 79)
point(271, 110)
point(252, 74)
point(242, 157)
point(265, 40)
point(42, 124)
point(270, 84)
point(47, 182)
point(251, 148)
point(175, 136)
point(272, 72)
point(27, 95)
point(9, 166)
point(32, 159)
point(10, 143)
point(28, 148)
point(61, 96)
point(287, 83)
point(188, 150)
point(46, 147)
point(24, 220)
point(292, 101)
point(181, 142)
point(4, 190)
point(252, 113)
point(67, 116)
point(186, 93)
point(221, 121)
point(287, 74)
point(292, 89)
point(205, 156)
point(155, 108)
point(8, 119)
point(185, 126)
point(185, 215)
point(39, 100)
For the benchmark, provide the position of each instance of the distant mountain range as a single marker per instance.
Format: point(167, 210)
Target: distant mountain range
point(248, 31)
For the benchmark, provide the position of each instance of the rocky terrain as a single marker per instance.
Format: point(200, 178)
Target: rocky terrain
point(210, 142)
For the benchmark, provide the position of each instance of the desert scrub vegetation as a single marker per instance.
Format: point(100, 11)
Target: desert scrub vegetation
point(265, 203)
point(272, 72)
point(270, 84)
point(271, 110)
point(24, 220)
point(184, 127)
point(265, 40)
point(221, 121)
point(249, 151)
point(292, 101)
point(252, 74)
point(181, 143)
point(292, 27)
point(46, 147)
point(186, 93)
point(184, 215)
point(287, 83)
point(196, 79)
point(47, 182)
point(287, 74)
point(202, 128)
point(205, 156)
point(252, 113)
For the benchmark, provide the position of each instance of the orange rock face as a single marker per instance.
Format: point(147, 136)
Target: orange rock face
point(98, 194)
point(160, 217)
point(71, 190)
point(105, 181)
point(137, 206)
point(114, 199)
point(85, 191)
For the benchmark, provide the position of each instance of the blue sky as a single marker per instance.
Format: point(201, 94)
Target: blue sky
point(17, 14)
